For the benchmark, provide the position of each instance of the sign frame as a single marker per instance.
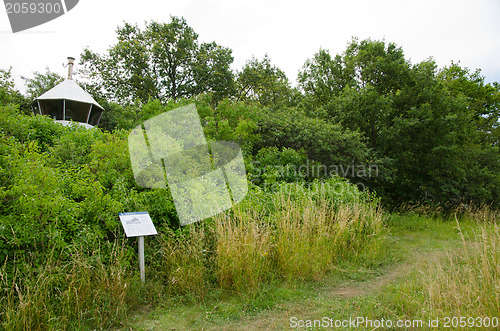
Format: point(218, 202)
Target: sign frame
point(137, 224)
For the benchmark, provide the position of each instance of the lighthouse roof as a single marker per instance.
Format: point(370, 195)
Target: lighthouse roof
point(69, 90)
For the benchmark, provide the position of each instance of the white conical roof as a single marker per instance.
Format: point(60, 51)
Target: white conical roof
point(68, 90)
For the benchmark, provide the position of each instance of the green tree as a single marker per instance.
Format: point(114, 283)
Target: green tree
point(173, 49)
point(8, 91)
point(162, 61)
point(480, 99)
point(323, 77)
point(263, 82)
point(212, 72)
point(439, 152)
point(124, 73)
point(377, 63)
point(41, 83)
point(356, 88)
point(364, 63)
point(435, 131)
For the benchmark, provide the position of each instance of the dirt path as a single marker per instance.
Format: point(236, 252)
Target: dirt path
point(410, 249)
point(278, 318)
point(356, 289)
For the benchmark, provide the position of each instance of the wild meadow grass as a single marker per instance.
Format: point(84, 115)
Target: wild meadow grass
point(271, 240)
point(467, 281)
point(244, 251)
point(305, 238)
point(482, 214)
point(79, 293)
point(182, 261)
point(454, 273)
point(299, 235)
point(312, 235)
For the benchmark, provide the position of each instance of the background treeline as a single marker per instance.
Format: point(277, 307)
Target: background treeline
point(432, 133)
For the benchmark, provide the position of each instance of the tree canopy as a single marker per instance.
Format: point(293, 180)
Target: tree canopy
point(432, 133)
point(434, 127)
point(161, 61)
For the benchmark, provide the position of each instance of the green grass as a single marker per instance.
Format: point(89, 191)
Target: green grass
point(65, 294)
point(394, 283)
point(257, 266)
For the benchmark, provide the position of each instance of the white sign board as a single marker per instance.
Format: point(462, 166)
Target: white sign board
point(137, 224)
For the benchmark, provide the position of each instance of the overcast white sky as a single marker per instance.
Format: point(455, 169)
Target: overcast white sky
point(289, 31)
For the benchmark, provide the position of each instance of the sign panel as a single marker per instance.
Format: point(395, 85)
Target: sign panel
point(137, 224)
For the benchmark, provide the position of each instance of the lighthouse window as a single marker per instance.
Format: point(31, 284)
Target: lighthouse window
point(77, 111)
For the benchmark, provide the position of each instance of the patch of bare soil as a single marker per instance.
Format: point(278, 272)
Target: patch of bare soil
point(357, 289)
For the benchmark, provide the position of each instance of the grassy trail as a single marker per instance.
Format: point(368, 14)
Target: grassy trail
point(384, 285)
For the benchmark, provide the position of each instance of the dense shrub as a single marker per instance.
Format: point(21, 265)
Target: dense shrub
point(61, 189)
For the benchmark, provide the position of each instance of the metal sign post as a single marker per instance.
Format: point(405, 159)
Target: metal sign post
point(138, 224)
point(141, 258)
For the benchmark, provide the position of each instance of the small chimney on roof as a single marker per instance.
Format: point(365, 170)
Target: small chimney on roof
point(71, 62)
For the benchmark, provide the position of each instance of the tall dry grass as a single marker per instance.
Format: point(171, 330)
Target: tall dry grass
point(80, 293)
point(313, 232)
point(299, 237)
point(478, 213)
point(304, 238)
point(298, 232)
point(244, 251)
point(465, 211)
point(467, 282)
point(185, 260)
